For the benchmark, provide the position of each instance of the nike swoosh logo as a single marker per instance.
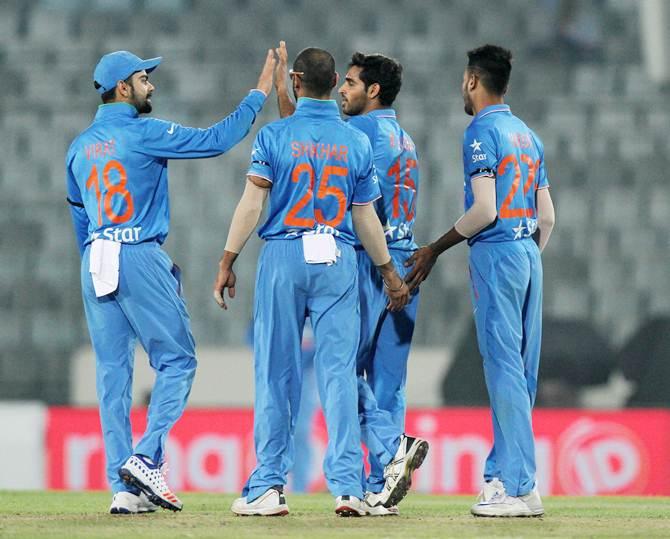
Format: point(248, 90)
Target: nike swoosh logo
point(171, 130)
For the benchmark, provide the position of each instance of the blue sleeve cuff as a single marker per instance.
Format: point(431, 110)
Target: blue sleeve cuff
point(255, 99)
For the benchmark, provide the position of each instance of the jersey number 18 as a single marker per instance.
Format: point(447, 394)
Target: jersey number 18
point(111, 189)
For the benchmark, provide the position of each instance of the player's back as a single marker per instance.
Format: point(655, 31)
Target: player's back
point(123, 190)
point(319, 166)
point(398, 170)
point(499, 143)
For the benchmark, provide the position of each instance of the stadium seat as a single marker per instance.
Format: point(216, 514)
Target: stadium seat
point(603, 125)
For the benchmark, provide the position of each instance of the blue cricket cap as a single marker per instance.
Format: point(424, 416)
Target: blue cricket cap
point(119, 65)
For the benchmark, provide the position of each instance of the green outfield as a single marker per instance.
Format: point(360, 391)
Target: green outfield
point(73, 515)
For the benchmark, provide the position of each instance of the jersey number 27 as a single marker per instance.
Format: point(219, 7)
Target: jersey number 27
point(505, 211)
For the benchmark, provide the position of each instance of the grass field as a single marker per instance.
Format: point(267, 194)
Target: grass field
point(74, 515)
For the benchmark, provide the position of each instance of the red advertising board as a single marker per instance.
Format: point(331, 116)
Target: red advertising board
point(578, 452)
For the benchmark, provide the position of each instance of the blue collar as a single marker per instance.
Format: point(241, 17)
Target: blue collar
point(317, 107)
point(491, 109)
point(110, 110)
point(382, 113)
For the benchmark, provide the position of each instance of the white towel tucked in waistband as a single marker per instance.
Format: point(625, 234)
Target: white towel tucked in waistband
point(320, 248)
point(104, 266)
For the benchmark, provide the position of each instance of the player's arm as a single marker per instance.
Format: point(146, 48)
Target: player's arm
point(284, 101)
point(174, 141)
point(543, 203)
point(480, 215)
point(245, 220)
point(369, 230)
point(77, 212)
point(545, 216)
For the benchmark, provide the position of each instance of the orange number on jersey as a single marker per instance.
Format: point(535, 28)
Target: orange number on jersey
point(331, 191)
point(111, 190)
point(505, 210)
point(291, 217)
point(93, 181)
point(324, 191)
point(117, 189)
point(408, 183)
point(532, 169)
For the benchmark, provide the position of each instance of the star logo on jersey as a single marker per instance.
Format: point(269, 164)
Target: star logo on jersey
point(388, 230)
point(476, 146)
point(518, 230)
point(95, 236)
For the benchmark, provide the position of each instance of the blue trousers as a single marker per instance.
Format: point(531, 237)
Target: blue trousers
point(146, 306)
point(302, 441)
point(381, 366)
point(287, 290)
point(507, 298)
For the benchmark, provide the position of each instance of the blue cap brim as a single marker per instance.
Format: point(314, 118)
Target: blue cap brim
point(150, 64)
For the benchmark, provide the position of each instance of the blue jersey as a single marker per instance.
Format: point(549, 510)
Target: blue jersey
point(117, 168)
point(319, 166)
point(398, 168)
point(499, 144)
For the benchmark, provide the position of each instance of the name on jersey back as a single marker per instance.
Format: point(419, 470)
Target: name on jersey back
point(100, 149)
point(402, 143)
point(338, 152)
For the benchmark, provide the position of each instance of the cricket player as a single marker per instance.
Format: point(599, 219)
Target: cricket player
point(319, 176)
point(118, 194)
point(508, 219)
point(370, 87)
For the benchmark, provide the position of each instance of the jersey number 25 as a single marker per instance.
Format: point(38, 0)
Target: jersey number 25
point(324, 191)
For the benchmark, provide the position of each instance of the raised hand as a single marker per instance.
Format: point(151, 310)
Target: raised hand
point(265, 79)
point(281, 69)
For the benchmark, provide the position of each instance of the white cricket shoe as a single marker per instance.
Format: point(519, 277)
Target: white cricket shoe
point(381, 511)
point(503, 505)
point(374, 507)
point(271, 503)
point(350, 506)
point(398, 473)
point(490, 489)
point(127, 503)
point(534, 502)
point(140, 472)
point(374, 499)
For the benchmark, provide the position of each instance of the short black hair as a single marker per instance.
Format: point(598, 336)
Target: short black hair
point(382, 70)
point(493, 64)
point(110, 95)
point(318, 68)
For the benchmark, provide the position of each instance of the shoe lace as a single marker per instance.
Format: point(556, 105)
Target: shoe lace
point(158, 475)
point(390, 471)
